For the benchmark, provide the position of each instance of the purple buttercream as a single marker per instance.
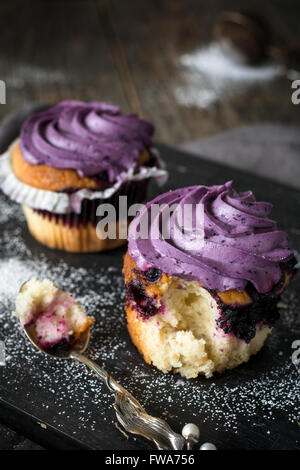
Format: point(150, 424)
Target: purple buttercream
point(88, 137)
point(241, 244)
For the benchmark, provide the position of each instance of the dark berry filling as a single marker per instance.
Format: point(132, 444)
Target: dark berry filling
point(153, 275)
point(238, 320)
point(241, 320)
point(144, 305)
point(286, 268)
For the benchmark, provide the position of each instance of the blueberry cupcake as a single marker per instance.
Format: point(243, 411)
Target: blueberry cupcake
point(70, 159)
point(197, 308)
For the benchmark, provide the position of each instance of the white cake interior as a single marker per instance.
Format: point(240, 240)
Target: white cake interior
point(186, 338)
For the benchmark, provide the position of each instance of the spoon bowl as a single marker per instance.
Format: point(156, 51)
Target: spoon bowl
point(63, 349)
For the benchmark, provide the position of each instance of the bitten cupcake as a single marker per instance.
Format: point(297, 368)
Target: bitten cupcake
point(70, 159)
point(197, 308)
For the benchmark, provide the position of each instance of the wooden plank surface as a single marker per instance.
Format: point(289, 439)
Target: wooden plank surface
point(53, 51)
point(130, 53)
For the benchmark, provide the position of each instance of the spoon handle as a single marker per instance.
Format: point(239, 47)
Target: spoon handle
point(130, 413)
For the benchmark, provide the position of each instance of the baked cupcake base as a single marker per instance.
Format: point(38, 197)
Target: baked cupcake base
point(53, 232)
point(182, 327)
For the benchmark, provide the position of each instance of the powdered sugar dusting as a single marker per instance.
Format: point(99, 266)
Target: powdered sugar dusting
point(72, 399)
point(8, 211)
point(215, 72)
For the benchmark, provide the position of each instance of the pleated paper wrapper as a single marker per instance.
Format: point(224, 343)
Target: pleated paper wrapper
point(62, 203)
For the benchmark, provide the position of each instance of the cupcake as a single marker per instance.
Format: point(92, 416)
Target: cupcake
point(69, 160)
point(198, 308)
point(54, 314)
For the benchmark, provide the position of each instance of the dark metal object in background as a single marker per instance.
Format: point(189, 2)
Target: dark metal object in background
point(249, 34)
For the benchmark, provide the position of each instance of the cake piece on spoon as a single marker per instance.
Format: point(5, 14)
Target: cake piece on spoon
point(55, 314)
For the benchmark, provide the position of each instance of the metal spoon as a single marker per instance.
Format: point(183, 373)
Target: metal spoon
point(130, 413)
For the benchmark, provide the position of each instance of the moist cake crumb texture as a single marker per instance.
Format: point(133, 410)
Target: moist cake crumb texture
point(188, 330)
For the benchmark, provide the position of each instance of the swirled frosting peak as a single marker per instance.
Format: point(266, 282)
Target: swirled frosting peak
point(88, 137)
point(240, 243)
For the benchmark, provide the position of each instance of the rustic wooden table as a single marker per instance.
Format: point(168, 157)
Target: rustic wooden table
point(130, 53)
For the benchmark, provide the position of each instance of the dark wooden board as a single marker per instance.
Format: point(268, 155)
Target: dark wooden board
point(74, 407)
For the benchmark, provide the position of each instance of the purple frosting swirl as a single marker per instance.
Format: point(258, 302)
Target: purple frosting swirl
point(241, 244)
point(87, 137)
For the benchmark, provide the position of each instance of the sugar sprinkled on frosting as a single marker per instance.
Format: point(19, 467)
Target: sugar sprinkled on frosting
point(241, 244)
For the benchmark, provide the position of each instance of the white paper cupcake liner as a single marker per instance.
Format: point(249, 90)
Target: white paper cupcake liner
point(62, 203)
